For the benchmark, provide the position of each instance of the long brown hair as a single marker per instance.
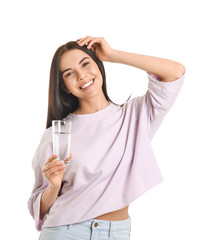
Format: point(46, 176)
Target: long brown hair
point(60, 103)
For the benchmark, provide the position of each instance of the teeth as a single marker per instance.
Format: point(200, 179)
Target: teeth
point(87, 84)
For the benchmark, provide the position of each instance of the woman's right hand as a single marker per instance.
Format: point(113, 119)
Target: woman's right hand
point(99, 46)
point(54, 170)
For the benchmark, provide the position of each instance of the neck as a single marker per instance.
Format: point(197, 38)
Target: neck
point(91, 106)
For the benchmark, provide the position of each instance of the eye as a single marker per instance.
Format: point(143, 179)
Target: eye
point(68, 74)
point(85, 64)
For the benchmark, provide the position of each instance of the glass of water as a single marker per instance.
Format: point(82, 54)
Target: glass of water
point(61, 133)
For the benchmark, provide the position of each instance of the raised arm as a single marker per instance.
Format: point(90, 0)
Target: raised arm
point(166, 70)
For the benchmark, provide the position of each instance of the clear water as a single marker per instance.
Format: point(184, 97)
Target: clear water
point(61, 144)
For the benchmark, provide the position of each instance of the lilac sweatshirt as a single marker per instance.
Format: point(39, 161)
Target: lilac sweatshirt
point(112, 158)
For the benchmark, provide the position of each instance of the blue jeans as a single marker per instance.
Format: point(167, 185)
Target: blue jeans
point(89, 230)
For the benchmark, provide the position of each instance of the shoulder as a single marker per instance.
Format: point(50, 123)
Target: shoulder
point(46, 136)
point(132, 103)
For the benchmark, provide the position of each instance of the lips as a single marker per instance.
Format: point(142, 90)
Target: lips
point(86, 83)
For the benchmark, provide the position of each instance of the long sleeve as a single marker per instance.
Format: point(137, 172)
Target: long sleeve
point(42, 153)
point(159, 99)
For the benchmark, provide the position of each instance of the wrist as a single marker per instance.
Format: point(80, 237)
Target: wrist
point(48, 198)
point(115, 56)
point(112, 57)
point(53, 188)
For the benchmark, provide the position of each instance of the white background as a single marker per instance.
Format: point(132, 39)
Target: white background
point(31, 31)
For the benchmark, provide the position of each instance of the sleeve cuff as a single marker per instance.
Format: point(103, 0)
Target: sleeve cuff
point(156, 79)
point(163, 94)
point(153, 76)
point(38, 221)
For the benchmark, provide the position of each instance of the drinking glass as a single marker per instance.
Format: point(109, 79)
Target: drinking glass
point(61, 133)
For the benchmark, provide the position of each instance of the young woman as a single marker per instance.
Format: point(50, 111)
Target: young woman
point(112, 162)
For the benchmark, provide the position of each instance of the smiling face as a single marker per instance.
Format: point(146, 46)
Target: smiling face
point(78, 69)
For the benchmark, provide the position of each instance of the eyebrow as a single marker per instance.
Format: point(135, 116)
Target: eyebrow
point(79, 63)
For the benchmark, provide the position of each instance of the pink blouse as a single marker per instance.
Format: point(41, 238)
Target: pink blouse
point(112, 158)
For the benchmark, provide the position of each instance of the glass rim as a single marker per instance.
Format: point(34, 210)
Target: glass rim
point(61, 125)
point(61, 120)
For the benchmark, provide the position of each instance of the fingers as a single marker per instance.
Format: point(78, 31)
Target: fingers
point(49, 165)
point(58, 172)
point(85, 40)
point(54, 170)
point(82, 39)
point(52, 158)
point(88, 40)
point(67, 159)
point(92, 42)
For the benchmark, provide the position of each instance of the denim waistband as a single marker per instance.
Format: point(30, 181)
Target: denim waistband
point(105, 225)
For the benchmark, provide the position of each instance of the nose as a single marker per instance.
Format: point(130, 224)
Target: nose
point(81, 74)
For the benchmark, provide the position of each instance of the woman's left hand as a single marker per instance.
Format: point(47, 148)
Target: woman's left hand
point(98, 45)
